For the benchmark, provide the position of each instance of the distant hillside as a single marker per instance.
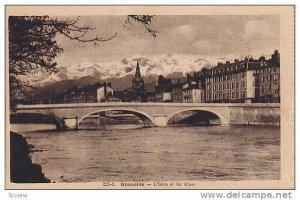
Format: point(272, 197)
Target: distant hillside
point(119, 73)
point(151, 65)
point(46, 92)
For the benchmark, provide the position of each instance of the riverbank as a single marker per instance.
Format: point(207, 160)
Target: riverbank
point(22, 170)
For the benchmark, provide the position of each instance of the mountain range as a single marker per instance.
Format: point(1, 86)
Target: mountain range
point(120, 73)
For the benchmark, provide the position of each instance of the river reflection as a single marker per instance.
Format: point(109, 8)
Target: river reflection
point(153, 154)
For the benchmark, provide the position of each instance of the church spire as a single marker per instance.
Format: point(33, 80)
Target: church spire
point(137, 72)
point(137, 81)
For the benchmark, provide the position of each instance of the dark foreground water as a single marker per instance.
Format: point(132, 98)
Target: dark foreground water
point(152, 154)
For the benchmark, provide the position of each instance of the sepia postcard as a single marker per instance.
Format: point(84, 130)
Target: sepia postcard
point(150, 97)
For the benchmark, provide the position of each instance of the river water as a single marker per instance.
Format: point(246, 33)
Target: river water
point(153, 154)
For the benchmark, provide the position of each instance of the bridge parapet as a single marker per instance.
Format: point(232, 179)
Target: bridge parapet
point(159, 113)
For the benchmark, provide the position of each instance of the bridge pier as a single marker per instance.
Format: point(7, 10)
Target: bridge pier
point(224, 125)
point(225, 121)
point(160, 120)
point(147, 123)
point(70, 123)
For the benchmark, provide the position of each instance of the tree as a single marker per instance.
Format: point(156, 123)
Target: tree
point(202, 75)
point(195, 77)
point(143, 19)
point(204, 72)
point(188, 78)
point(32, 44)
point(162, 81)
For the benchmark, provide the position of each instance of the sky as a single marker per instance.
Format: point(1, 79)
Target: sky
point(213, 35)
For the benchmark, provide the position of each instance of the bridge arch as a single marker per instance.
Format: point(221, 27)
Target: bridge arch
point(33, 117)
point(212, 113)
point(146, 118)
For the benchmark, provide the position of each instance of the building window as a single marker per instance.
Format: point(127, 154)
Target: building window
point(262, 79)
point(270, 88)
point(243, 94)
point(269, 77)
point(276, 76)
point(276, 86)
point(243, 84)
point(269, 69)
point(237, 84)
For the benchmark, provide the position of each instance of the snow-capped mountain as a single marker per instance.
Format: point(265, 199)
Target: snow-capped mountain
point(149, 65)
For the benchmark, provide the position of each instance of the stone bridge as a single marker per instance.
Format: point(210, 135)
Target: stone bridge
point(157, 114)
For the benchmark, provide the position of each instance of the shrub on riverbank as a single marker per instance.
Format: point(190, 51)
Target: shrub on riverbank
point(22, 170)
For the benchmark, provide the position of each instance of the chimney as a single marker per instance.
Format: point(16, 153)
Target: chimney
point(105, 89)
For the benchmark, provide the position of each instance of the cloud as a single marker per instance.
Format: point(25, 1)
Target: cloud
point(258, 28)
point(207, 45)
point(228, 31)
point(187, 29)
point(207, 35)
point(183, 31)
